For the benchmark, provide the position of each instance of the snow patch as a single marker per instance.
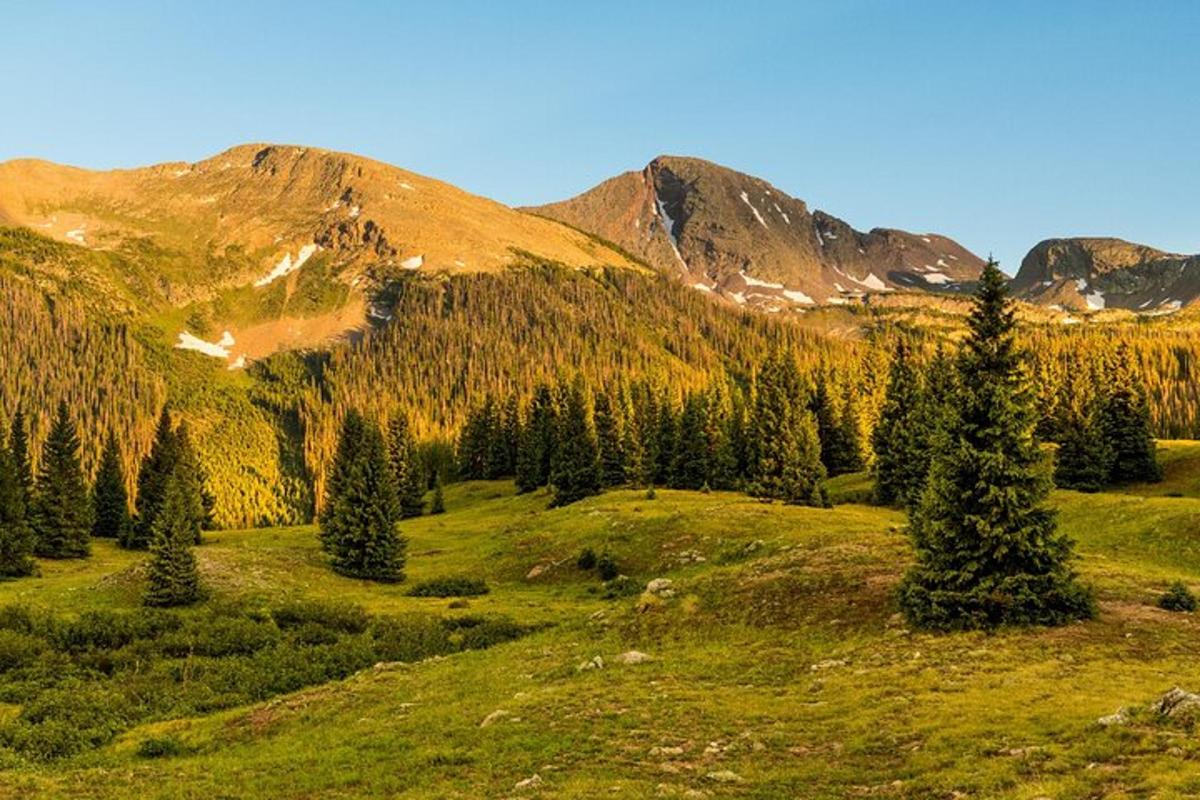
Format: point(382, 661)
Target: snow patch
point(237, 363)
point(413, 263)
point(76, 236)
point(836, 301)
point(872, 281)
point(756, 282)
point(702, 287)
point(286, 265)
point(797, 296)
point(1095, 301)
point(939, 278)
point(926, 240)
point(738, 298)
point(669, 226)
point(407, 186)
point(782, 213)
point(354, 212)
point(746, 199)
point(219, 349)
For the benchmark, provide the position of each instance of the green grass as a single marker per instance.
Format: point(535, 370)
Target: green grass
point(778, 657)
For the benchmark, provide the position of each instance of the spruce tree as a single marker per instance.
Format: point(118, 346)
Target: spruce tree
point(110, 501)
point(610, 435)
point(189, 472)
point(406, 467)
point(988, 552)
point(362, 507)
point(155, 472)
point(1125, 421)
point(538, 439)
point(172, 577)
point(785, 448)
point(22, 462)
point(633, 449)
point(62, 509)
point(438, 504)
point(849, 436)
point(665, 434)
point(828, 430)
point(722, 455)
point(509, 440)
point(692, 465)
point(575, 473)
point(1084, 457)
point(901, 440)
point(16, 535)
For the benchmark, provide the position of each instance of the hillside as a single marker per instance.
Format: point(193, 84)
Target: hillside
point(739, 236)
point(776, 663)
point(1098, 273)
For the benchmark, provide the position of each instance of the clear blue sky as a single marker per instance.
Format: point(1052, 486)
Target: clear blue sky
point(997, 123)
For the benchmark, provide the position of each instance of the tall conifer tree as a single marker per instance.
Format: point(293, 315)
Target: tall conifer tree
point(173, 578)
point(1125, 420)
point(575, 473)
point(406, 467)
point(62, 508)
point(538, 439)
point(610, 435)
point(22, 460)
point(902, 437)
point(110, 500)
point(155, 471)
point(1084, 456)
point(988, 552)
point(16, 534)
point(362, 507)
point(785, 447)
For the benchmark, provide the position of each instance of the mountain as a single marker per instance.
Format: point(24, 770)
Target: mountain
point(290, 238)
point(740, 237)
point(1095, 273)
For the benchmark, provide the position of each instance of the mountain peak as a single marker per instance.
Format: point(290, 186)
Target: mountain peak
point(739, 236)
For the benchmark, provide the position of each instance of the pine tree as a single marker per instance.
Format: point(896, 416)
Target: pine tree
point(665, 434)
point(691, 466)
point(510, 436)
point(633, 448)
point(1084, 458)
point(575, 473)
point(406, 467)
point(62, 509)
point(110, 501)
point(610, 435)
point(901, 440)
point(155, 472)
point(438, 504)
point(538, 439)
point(849, 436)
point(173, 578)
point(16, 535)
point(988, 552)
point(19, 448)
point(828, 430)
point(362, 507)
point(784, 446)
point(1125, 421)
point(190, 473)
point(722, 456)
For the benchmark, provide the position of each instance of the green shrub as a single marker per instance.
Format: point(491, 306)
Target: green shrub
point(343, 617)
point(160, 747)
point(221, 636)
point(1178, 597)
point(621, 586)
point(455, 586)
point(606, 567)
point(18, 650)
point(586, 560)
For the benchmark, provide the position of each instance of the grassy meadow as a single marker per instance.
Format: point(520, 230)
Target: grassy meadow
point(776, 665)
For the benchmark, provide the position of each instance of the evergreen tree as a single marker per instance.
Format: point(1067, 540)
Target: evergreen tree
point(62, 509)
point(510, 436)
point(988, 552)
point(575, 473)
point(850, 437)
point(190, 473)
point(722, 456)
point(665, 434)
point(406, 467)
point(538, 439)
point(362, 507)
point(610, 435)
point(692, 465)
point(16, 535)
point(828, 430)
point(155, 472)
point(438, 504)
point(22, 462)
point(784, 445)
point(633, 448)
point(1084, 457)
point(480, 446)
point(901, 440)
point(1125, 421)
point(110, 501)
point(173, 579)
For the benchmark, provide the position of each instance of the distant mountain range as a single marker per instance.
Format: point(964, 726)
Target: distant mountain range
point(743, 239)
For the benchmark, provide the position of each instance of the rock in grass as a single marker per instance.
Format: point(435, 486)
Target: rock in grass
point(493, 717)
point(1178, 704)
point(634, 657)
point(661, 587)
point(1113, 720)
point(596, 663)
point(531, 782)
point(724, 776)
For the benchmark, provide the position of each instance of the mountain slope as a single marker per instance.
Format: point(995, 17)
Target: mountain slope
point(1095, 273)
point(738, 235)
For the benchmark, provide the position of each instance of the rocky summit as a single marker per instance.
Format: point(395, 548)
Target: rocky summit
point(745, 240)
